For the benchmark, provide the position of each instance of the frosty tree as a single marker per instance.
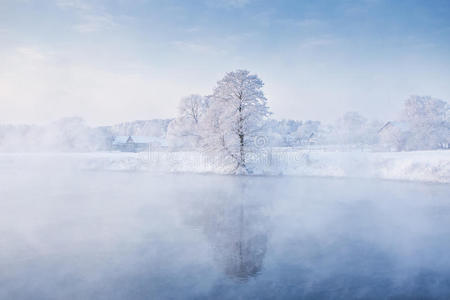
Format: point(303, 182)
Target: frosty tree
point(425, 110)
point(192, 108)
point(234, 119)
point(429, 121)
point(351, 128)
point(183, 132)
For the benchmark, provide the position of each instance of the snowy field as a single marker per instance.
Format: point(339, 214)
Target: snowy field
point(427, 166)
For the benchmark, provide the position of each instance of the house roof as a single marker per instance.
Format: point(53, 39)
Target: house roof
point(402, 126)
point(123, 139)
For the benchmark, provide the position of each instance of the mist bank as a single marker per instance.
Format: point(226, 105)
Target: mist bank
point(73, 134)
point(425, 166)
point(424, 124)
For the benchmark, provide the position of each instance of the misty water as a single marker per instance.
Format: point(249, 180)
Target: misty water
point(135, 235)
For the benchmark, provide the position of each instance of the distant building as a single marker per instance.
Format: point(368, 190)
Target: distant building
point(401, 126)
point(394, 135)
point(138, 143)
point(309, 140)
point(312, 139)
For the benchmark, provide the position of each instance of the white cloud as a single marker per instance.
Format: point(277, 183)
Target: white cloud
point(302, 23)
point(228, 3)
point(237, 3)
point(74, 4)
point(95, 22)
point(226, 44)
point(92, 18)
point(30, 53)
point(197, 47)
point(317, 42)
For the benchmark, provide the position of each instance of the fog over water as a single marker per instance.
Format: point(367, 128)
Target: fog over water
point(69, 234)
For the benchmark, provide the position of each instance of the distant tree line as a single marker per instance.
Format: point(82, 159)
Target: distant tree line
point(73, 135)
point(234, 120)
point(423, 124)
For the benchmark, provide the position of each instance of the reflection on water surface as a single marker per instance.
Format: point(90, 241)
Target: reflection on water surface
point(121, 235)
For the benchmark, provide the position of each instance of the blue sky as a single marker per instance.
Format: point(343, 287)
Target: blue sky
point(110, 61)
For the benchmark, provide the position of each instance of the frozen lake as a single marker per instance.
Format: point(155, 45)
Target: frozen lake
point(134, 235)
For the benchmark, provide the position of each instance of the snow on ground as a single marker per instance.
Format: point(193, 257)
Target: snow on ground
point(430, 166)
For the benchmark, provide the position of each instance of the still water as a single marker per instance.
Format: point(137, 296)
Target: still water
point(132, 235)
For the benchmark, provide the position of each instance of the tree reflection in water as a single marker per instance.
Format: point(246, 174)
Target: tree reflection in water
point(235, 224)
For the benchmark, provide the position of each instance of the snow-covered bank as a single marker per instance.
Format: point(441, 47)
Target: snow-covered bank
point(429, 166)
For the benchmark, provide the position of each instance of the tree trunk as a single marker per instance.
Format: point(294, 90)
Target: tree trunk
point(241, 163)
point(241, 150)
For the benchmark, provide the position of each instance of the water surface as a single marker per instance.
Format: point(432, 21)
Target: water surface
point(134, 235)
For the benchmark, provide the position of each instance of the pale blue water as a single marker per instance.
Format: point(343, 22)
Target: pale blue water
point(122, 235)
